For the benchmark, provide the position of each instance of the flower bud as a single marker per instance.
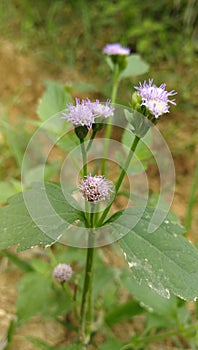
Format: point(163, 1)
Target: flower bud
point(62, 273)
point(81, 131)
point(136, 101)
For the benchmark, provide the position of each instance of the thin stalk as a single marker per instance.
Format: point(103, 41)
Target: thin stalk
point(121, 177)
point(84, 157)
point(161, 336)
point(91, 140)
point(86, 305)
point(116, 80)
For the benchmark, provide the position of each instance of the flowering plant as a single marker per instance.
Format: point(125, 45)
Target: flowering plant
point(103, 197)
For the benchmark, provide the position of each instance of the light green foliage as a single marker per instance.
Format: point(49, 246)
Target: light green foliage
point(8, 189)
point(44, 346)
point(38, 296)
point(54, 100)
point(135, 66)
point(111, 345)
point(123, 312)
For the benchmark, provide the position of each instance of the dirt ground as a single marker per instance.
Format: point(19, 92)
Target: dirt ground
point(21, 86)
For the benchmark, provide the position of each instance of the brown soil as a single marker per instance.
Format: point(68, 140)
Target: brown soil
point(21, 86)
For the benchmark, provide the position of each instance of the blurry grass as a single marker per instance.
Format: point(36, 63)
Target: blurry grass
point(71, 30)
point(192, 200)
point(72, 34)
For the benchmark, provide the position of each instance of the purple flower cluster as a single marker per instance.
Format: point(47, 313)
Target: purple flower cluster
point(156, 99)
point(96, 188)
point(62, 272)
point(116, 49)
point(85, 112)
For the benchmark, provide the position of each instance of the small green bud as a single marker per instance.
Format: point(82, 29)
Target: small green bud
point(136, 101)
point(98, 125)
point(81, 131)
point(120, 60)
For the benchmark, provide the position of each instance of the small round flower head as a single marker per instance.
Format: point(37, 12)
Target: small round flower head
point(156, 99)
point(85, 112)
point(96, 188)
point(116, 49)
point(62, 272)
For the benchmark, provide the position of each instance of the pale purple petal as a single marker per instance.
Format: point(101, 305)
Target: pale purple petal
point(85, 112)
point(116, 49)
point(156, 99)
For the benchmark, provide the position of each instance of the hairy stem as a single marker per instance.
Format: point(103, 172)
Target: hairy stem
point(86, 305)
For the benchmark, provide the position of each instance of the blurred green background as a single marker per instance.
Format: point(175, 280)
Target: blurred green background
point(63, 41)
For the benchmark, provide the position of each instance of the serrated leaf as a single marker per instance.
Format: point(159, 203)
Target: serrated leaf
point(162, 259)
point(54, 100)
point(135, 66)
point(17, 226)
point(148, 298)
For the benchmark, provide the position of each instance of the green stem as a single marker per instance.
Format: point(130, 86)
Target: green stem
point(86, 305)
point(84, 157)
point(116, 80)
point(157, 337)
point(91, 140)
point(121, 177)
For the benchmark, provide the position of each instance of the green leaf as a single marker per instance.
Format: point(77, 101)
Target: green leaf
point(75, 346)
point(84, 87)
point(54, 100)
point(17, 226)
point(41, 344)
point(7, 190)
point(135, 66)
point(148, 298)
point(36, 172)
point(113, 344)
point(22, 264)
point(123, 312)
point(142, 152)
point(68, 142)
point(37, 296)
point(163, 260)
point(103, 287)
